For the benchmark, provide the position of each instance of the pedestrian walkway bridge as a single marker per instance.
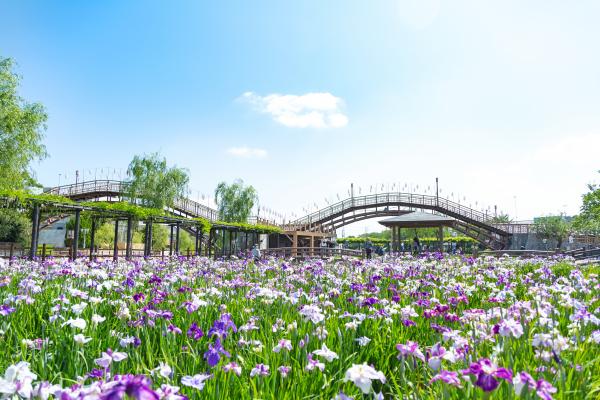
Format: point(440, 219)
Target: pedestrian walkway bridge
point(470, 222)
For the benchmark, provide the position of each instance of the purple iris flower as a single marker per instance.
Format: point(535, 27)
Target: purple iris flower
point(136, 387)
point(486, 374)
point(449, 377)
point(213, 355)
point(194, 332)
point(5, 309)
point(222, 325)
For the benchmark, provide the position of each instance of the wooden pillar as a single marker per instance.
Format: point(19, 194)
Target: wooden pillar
point(230, 243)
point(171, 242)
point(295, 244)
point(92, 238)
point(116, 241)
point(128, 246)
point(76, 234)
point(43, 252)
point(200, 242)
point(210, 238)
point(441, 238)
point(196, 246)
point(151, 231)
point(34, 231)
point(148, 241)
point(177, 228)
point(223, 243)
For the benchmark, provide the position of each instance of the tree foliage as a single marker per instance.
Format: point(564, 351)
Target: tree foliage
point(21, 132)
point(553, 227)
point(14, 226)
point(153, 183)
point(235, 201)
point(501, 219)
point(588, 220)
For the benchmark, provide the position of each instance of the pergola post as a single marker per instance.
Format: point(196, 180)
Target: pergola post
point(128, 246)
point(295, 244)
point(230, 243)
point(148, 244)
point(171, 242)
point(116, 241)
point(76, 235)
point(177, 239)
point(92, 238)
point(312, 245)
point(34, 231)
point(210, 238)
point(197, 241)
point(223, 243)
point(441, 237)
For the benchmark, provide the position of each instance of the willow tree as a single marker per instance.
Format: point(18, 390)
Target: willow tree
point(235, 201)
point(22, 126)
point(152, 183)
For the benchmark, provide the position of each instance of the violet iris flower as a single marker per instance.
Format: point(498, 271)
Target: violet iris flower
point(486, 374)
point(212, 356)
point(137, 387)
point(194, 332)
point(222, 325)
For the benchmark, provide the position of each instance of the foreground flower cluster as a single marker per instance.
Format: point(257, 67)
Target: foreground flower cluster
point(413, 328)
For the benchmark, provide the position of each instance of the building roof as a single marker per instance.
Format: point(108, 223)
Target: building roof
point(418, 220)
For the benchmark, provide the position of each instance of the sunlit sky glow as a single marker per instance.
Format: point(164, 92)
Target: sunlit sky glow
point(498, 99)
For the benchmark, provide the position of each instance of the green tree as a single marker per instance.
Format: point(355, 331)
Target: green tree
point(588, 220)
point(105, 236)
point(235, 201)
point(14, 227)
point(501, 219)
point(153, 183)
point(21, 132)
point(552, 228)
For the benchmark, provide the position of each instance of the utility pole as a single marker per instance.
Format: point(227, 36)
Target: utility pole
point(76, 177)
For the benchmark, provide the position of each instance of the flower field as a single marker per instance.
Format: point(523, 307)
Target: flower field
point(435, 327)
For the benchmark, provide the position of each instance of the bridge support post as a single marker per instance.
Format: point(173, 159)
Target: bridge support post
point(129, 239)
point(116, 241)
point(34, 231)
point(92, 238)
point(177, 239)
point(75, 235)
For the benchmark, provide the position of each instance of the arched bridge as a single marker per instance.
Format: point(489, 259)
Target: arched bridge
point(115, 190)
point(470, 222)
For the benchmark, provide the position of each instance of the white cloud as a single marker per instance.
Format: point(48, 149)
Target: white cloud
point(310, 110)
point(247, 152)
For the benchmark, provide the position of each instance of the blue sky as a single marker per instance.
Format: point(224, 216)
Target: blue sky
point(498, 99)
